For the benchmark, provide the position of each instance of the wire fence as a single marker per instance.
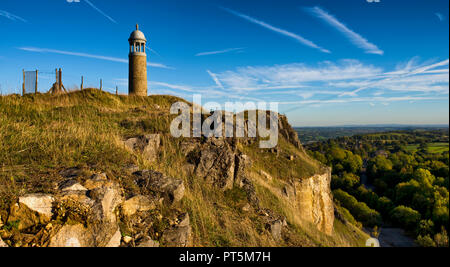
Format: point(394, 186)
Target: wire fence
point(30, 82)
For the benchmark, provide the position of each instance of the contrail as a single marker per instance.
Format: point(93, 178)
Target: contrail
point(218, 52)
point(10, 16)
point(216, 80)
point(78, 54)
point(277, 30)
point(100, 11)
point(354, 37)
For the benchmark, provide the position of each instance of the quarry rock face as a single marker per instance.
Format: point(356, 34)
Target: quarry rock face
point(314, 201)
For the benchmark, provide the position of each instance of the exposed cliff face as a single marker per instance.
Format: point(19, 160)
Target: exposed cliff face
point(154, 189)
point(314, 201)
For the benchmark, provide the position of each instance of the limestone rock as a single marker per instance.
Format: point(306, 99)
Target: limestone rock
point(97, 208)
point(178, 235)
point(2, 243)
point(147, 242)
point(96, 181)
point(40, 203)
point(171, 189)
point(73, 236)
point(137, 204)
point(217, 164)
point(71, 185)
point(31, 210)
point(107, 198)
point(115, 240)
point(276, 228)
point(147, 145)
point(127, 239)
point(314, 201)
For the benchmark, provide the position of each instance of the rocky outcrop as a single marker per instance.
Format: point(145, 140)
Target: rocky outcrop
point(286, 130)
point(313, 199)
point(216, 164)
point(179, 235)
point(171, 189)
point(95, 211)
point(147, 145)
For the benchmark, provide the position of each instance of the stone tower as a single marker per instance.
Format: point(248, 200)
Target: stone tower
point(137, 74)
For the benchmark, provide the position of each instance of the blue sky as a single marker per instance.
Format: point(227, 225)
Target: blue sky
point(326, 62)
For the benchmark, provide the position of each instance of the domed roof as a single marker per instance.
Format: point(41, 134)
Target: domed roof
point(137, 35)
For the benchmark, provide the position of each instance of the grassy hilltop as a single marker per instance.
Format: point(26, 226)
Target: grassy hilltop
point(41, 135)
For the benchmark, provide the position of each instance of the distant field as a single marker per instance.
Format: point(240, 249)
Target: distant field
point(318, 134)
point(432, 148)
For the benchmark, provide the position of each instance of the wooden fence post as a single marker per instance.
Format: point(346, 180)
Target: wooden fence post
point(59, 81)
point(101, 84)
point(117, 90)
point(82, 81)
point(23, 84)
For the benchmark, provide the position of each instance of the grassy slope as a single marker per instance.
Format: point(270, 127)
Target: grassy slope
point(41, 135)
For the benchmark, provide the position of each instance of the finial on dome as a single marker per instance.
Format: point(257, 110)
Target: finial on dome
point(137, 27)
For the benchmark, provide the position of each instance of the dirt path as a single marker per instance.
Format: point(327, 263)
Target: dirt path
point(395, 237)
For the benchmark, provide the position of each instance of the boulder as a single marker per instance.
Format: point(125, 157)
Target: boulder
point(275, 229)
point(73, 236)
point(137, 204)
point(147, 145)
point(31, 210)
point(40, 203)
point(180, 234)
point(71, 185)
point(171, 189)
point(152, 143)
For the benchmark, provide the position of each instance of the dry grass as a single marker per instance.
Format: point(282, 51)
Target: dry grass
point(43, 134)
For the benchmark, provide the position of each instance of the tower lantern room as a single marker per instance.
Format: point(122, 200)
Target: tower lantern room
point(137, 77)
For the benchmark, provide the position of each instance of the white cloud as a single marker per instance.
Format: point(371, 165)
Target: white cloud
point(277, 30)
point(78, 54)
point(397, 77)
point(11, 16)
point(370, 100)
point(218, 52)
point(100, 11)
point(296, 75)
point(354, 37)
